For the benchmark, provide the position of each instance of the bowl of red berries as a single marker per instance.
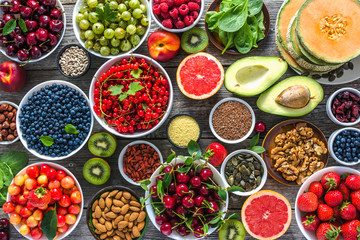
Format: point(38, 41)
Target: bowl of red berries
point(328, 203)
point(131, 95)
point(176, 15)
point(41, 196)
point(30, 32)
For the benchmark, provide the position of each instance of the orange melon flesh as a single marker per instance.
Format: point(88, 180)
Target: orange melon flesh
point(290, 60)
point(308, 29)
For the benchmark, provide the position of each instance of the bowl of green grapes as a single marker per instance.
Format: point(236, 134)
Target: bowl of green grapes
point(110, 28)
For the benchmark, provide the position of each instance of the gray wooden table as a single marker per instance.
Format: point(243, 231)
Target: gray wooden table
point(47, 70)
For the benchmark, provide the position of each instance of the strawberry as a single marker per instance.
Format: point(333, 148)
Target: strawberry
point(353, 182)
point(219, 153)
point(333, 198)
point(355, 199)
point(330, 181)
point(327, 231)
point(40, 197)
point(344, 191)
point(307, 202)
point(347, 211)
point(325, 212)
point(336, 212)
point(351, 230)
point(316, 188)
point(310, 222)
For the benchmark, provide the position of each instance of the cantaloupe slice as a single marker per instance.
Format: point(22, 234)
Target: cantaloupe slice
point(288, 58)
point(329, 29)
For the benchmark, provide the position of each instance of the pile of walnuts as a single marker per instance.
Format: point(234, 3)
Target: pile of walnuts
point(7, 122)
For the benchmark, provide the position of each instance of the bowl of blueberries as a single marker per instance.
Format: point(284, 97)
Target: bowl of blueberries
point(344, 146)
point(54, 120)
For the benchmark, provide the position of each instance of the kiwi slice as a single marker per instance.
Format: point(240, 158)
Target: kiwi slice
point(194, 40)
point(232, 230)
point(96, 171)
point(102, 144)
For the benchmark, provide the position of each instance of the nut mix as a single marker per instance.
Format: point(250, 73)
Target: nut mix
point(7, 122)
point(346, 107)
point(117, 215)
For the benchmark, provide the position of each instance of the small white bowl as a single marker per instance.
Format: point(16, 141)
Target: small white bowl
point(17, 138)
point(150, 210)
point(121, 157)
point(77, 29)
point(227, 100)
point(305, 188)
point(331, 143)
point(25, 99)
point(329, 104)
point(106, 66)
point(263, 178)
point(14, 58)
point(176, 30)
point(77, 184)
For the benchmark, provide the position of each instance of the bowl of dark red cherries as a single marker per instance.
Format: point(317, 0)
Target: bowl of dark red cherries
point(4, 229)
point(30, 30)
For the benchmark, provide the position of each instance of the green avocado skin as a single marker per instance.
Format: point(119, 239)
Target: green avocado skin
point(251, 76)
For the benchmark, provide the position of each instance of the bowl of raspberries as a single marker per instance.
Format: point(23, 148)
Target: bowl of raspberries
point(176, 15)
point(328, 204)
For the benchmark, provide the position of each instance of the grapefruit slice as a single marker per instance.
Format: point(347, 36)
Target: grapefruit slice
point(266, 215)
point(200, 75)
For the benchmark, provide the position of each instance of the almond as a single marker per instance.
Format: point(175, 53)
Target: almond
point(116, 237)
point(130, 225)
point(97, 212)
point(108, 225)
point(102, 220)
point(110, 233)
point(119, 195)
point(128, 237)
point(118, 219)
point(135, 204)
point(103, 236)
point(141, 225)
point(95, 221)
point(136, 231)
point(135, 209)
point(127, 195)
point(95, 204)
point(102, 203)
point(100, 227)
point(104, 216)
point(118, 203)
point(124, 209)
point(133, 198)
point(127, 217)
point(108, 202)
point(104, 195)
point(142, 216)
point(115, 209)
point(106, 210)
point(123, 224)
point(133, 216)
point(97, 231)
point(113, 193)
point(111, 215)
point(124, 200)
point(119, 233)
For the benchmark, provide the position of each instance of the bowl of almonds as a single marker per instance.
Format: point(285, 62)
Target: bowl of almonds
point(116, 212)
point(8, 133)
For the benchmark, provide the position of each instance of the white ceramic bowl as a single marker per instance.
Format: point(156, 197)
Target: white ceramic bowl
point(25, 99)
point(17, 138)
point(263, 178)
point(77, 184)
point(175, 30)
point(77, 29)
point(331, 143)
point(106, 66)
point(121, 157)
point(252, 122)
point(14, 58)
point(305, 188)
point(150, 210)
point(329, 104)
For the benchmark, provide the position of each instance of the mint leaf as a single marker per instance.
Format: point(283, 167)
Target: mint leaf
point(22, 25)
point(222, 194)
point(9, 27)
point(171, 157)
point(15, 160)
point(257, 149)
point(116, 90)
point(136, 73)
point(49, 224)
point(166, 180)
point(194, 149)
point(254, 140)
point(69, 128)
point(144, 184)
point(47, 141)
point(134, 87)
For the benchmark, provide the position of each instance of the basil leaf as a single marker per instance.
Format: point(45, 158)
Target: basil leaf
point(144, 184)
point(257, 149)
point(254, 6)
point(22, 25)
point(254, 140)
point(166, 180)
point(234, 18)
point(49, 224)
point(234, 216)
point(234, 189)
point(171, 157)
point(222, 194)
point(9, 27)
point(15, 160)
point(194, 149)
point(47, 141)
point(69, 128)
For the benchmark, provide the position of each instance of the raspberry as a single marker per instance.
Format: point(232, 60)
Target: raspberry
point(165, 15)
point(193, 6)
point(179, 24)
point(157, 1)
point(156, 9)
point(194, 14)
point(170, 3)
point(164, 7)
point(197, 1)
point(188, 20)
point(167, 23)
point(184, 9)
point(174, 13)
point(179, 2)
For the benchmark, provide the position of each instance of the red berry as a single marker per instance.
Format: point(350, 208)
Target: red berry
point(195, 181)
point(205, 174)
point(179, 2)
point(260, 127)
point(174, 13)
point(164, 7)
point(181, 190)
point(316, 188)
point(169, 202)
point(188, 20)
point(193, 6)
point(184, 9)
point(156, 9)
point(166, 229)
point(167, 23)
point(179, 24)
point(333, 198)
point(188, 202)
point(310, 222)
point(194, 14)
point(353, 182)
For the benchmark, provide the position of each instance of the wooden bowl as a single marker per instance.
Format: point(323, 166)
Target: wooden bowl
point(214, 37)
point(269, 144)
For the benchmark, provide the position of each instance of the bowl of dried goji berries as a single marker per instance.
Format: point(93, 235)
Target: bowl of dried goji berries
point(138, 161)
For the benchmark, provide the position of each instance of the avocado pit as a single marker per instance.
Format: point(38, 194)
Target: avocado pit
point(297, 96)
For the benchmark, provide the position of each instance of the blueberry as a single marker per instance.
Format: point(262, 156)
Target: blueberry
point(343, 140)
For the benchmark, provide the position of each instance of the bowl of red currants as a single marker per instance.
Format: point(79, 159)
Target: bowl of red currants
point(31, 29)
point(131, 95)
point(185, 198)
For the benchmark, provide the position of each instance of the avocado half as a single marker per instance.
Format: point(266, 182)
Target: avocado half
point(251, 76)
point(268, 100)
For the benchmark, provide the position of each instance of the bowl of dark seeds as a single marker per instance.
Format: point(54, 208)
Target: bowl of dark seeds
point(246, 169)
point(73, 61)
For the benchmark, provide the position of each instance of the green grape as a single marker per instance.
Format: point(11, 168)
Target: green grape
point(118, 17)
point(93, 17)
point(122, 24)
point(126, 16)
point(119, 33)
point(125, 45)
point(132, 21)
point(105, 51)
point(97, 47)
point(135, 40)
point(98, 28)
point(84, 24)
point(84, 9)
point(89, 35)
point(114, 51)
point(143, 8)
point(140, 30)
point(89, 44)
point(113, 26)
point(122, 8)
point(86, 15)
point(109, 33)
point(115, 42)
point(97, 37)
point(137, 13)
point(79, 17)
point(134, 4)
point(82, 35)
point(113, 5)
point(101, 5)
point(103, 41)
point(127, 4)
point(92, 3)
point(131, 29)
point(145, 21)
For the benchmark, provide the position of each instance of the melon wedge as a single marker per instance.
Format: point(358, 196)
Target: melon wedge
point(288, 58)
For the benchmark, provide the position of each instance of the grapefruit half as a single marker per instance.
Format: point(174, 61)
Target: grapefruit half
point(266, 215)
point(200, 76)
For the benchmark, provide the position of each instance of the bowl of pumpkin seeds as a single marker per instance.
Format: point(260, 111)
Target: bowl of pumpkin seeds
point(246, 169)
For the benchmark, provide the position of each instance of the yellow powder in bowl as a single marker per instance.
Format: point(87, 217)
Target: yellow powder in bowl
point(182, 129)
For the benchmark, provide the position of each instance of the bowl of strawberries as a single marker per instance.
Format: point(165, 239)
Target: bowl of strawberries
point(44, 201)
point(328, 204)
